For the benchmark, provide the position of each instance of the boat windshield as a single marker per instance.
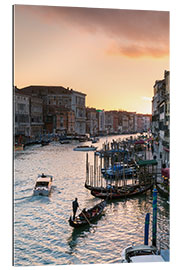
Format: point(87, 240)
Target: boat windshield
point(42, 184)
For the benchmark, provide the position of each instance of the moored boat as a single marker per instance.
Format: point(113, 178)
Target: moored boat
point(163, 189)
point(141, 253)
point(95, 140)
point(87, 216)
point(85, 148)
point(43, 185)
point(144, 252)
point(43, 143)
point(64, 141)
point(123, 192)
point(19, 147)
point(119, 170)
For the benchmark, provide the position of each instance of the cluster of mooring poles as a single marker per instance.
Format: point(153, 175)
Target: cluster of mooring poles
point(117, 164)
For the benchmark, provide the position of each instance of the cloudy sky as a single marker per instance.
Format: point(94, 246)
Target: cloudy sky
point(112, 55)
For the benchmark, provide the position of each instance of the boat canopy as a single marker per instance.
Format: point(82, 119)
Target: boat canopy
point(43, 179)
point(165, 172)
point(147, 258)
point(139, 142)
point(141, 247)
point(142, 163)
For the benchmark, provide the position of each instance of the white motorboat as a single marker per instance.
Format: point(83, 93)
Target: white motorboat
point(85, 148)
point(43, 185)
point(141, 253)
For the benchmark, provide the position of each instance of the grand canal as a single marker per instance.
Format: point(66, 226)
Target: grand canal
point(42, 234)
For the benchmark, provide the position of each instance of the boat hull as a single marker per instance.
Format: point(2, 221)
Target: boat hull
point(19, 147)
point(110, 195)
point(39, 192)
point(85, 149)
point(162, 190)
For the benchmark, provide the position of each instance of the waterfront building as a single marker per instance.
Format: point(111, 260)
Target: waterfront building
point(109, 122)
point(115, 122)
point(65, 122)
point(112, 122)
point(161, 117)
point(21, 114)
point(146, 122)
point(135, 123)
point(166, 141)
point(78, 101)
point(125, 122)
point(55, 99)
point(101, 122)
point(36, 116)
point(91, 121)
point(131, 122)
point(139, 123)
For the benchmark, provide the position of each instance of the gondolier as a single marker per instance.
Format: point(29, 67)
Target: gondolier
point(75, 206)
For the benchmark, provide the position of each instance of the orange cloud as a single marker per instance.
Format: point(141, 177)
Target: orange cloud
point(135, 33)
point(138, 51)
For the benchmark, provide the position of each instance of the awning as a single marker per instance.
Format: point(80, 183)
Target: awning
point(166, 149)
point(139, 142)
point(165, 172)
point(142, 163)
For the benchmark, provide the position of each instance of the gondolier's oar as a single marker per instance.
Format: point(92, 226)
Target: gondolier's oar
point(86, 218)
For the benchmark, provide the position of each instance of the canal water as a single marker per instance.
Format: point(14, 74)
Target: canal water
point(42, 235)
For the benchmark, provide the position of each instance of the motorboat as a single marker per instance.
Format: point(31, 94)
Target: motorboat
point(141, 253)
point(43, 185)
point(85, 148)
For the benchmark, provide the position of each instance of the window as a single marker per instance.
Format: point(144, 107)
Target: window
point(21, 106)
point(161, 110)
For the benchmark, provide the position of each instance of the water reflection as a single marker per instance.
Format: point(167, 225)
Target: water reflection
point(77, 235)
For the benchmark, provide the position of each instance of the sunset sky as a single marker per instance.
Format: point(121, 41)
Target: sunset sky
point(112, 55)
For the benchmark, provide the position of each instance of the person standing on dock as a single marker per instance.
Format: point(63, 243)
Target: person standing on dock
point(75, 206)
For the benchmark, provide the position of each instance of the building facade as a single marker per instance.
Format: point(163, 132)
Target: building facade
point(161, 117)
point(78, 101)
point(63, 109)
point(91, 122)
point(21, 114)
point(101, 122)
point(36, 116)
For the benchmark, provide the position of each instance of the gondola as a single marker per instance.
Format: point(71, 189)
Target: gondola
point(124, 192)
point(88, 216)
point(43, 143)
point(163, 189)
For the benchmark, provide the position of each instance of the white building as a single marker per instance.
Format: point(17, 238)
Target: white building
point(101, 121)
point(78, 100)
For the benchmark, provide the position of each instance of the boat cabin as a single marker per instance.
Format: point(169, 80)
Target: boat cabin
point(142, 253)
